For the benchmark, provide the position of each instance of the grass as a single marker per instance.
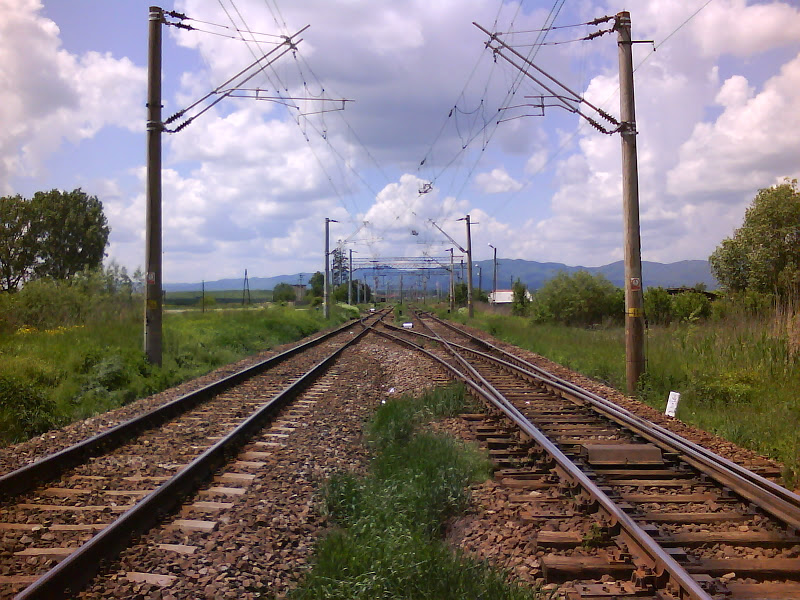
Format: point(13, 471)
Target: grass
point(216, 299)
point(53, 376)
point(387, 543)
point(738, 376)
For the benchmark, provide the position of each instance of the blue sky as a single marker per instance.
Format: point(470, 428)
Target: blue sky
point(249, 184)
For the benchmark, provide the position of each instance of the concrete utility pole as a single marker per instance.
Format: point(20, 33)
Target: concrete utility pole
point(452, 284)
point(401, 288)
point(634, 301)
point(350, 279)
point(494, 274)
point(470, 308)
point(327, 289)
point(153, 298)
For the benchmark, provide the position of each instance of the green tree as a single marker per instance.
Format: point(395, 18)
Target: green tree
point(72, 233)
point(283, 292)
point(764, 253)
point(460, 296)
point(578, 299)
point(317, 283)
point(519, 300)
point(339, 293)
point(17, 242)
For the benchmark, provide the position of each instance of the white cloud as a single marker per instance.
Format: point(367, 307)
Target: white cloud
point(497, 181)
point(704, 147)
point(752, 141)
point(246, 186)
point(48, 95)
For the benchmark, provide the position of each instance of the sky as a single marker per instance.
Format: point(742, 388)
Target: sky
point(436, 126)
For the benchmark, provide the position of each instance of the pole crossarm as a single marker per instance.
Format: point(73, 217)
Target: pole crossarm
point(447, 235)
point(402, 263)
point(564, 99)
point(228, 87)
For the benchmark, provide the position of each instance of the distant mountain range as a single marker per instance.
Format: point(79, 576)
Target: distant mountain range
point(533, 274)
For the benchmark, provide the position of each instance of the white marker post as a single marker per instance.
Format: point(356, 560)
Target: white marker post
point(672, 404)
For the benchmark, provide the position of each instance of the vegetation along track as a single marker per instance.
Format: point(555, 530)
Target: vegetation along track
point(621, 507)
point(64, 513)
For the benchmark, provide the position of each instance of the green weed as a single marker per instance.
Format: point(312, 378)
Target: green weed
point(83, 355)
point(738, 374)
point(387, 544)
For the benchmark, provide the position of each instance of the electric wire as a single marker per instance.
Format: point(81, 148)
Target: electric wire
point(582, 124)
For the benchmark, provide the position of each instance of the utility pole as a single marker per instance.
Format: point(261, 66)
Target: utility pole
point(452, 284)
point(153, 301)
point(634, 301)
point(350, 279)
point(327, 289)
point(246, 289)
point(470, 309)
point(401, 288)
point(494, 275)
point(480, 276)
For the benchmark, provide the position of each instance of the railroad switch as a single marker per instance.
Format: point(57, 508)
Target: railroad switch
point(712, 586)
point(643, 579)
point(612, 590)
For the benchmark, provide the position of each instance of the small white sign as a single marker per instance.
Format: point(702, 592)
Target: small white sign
point(672, 404)
point(408, 325)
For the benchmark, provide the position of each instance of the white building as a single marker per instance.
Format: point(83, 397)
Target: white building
point(505, 296)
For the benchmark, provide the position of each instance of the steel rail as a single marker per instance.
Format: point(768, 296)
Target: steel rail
point(640, 545)
point(79, 567)
point(49, 467)
point(778, 501)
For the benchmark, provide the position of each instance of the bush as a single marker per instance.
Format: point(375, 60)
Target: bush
point(25, 410)
point(658, 306)
point(578, 299)
point(690, 306)
point(283, 292)
point(520, 302)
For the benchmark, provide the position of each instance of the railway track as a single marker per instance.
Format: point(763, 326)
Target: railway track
point(64, 514)
point(621, 508)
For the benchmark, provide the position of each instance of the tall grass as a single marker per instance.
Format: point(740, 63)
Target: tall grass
point(388, 543)
point(68, 354)
point(738, 375)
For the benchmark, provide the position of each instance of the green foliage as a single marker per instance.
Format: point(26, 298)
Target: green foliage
point(578, 299)
point(460, 295)
point(55, 234)
point(738, 374)
point(657, 306)
point(480, 295)
point(25, 409)
point(76, 344)
point(727, 388)
point(396, 420)
point(520, 302)
point(72, 233)
point(764, 253)
point(349, 311)
point(103, 294)
point(317, 284)
point(746, 304)
point(690, 306)
point(17, 241)
point(388, 545)
point(283, 292)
